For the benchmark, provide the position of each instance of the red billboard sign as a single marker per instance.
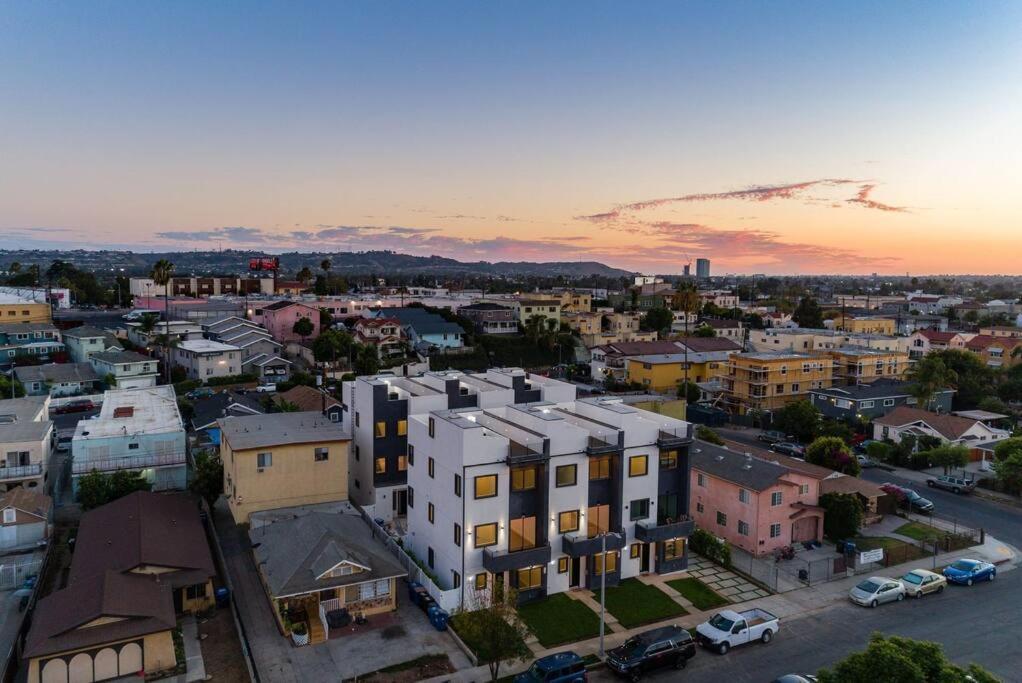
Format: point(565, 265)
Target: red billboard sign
point(266, 263)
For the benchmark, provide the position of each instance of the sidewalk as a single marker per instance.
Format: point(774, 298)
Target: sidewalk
point(791, 605)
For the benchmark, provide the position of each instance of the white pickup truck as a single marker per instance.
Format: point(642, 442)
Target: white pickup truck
point(726, 629)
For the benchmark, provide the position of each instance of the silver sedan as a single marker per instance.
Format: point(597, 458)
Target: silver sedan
point(877, 590)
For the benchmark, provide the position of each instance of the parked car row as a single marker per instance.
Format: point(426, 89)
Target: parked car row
point(877, 590)
point(908, 498)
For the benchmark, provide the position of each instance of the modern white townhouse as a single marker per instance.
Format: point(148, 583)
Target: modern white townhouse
point(543, 496)
point(376, 410)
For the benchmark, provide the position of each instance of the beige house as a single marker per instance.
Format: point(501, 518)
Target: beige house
point(282, 460)
point(204, 359)
point(26, 436)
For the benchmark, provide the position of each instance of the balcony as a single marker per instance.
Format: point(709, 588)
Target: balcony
point(131, 462)
point(21, 471)
point(674, 438)
point(579, 545)
point(497, 561)
point(522, 454)
point(654, 532)
point(598, 446)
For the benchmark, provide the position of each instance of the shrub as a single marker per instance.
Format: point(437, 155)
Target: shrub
point(181, 388)
point(879, 451)
point(832, 452)
point(919, 461)
point(232, 379)
point(709, 546)
point(844, 515)
point(704, 433)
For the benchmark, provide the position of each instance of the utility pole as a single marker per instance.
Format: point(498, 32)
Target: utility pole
point(603, 588)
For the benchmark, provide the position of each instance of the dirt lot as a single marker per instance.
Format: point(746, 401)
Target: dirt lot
point(221, 650)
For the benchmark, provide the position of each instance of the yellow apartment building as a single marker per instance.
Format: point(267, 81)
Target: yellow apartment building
point(583, 323)
point(281, 460)
point(546, 308)
point(855, 365)
point(771, 380)
point(664, 373)
point(16, 309)
point(1001, 331)
point(865, 324)
point(571, 302)
point(996, 352)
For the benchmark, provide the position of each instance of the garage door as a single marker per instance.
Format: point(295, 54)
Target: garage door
point(804, 529)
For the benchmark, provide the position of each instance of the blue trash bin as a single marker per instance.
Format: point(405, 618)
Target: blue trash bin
point(413, 587)
point(440, 618)
point(223, 597)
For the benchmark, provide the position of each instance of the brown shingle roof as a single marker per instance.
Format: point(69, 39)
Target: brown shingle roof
point(846, 484)
point(949, 426)
point(27, 500)
point(307, 398)
point(937, 336)
point(144, 605)
point(144, 528)
point(702, 344)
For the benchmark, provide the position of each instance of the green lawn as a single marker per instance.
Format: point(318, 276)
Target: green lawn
point(558, 619)
point(698, 593)
point(896, 550)
point(633, 603)
point(920, 532)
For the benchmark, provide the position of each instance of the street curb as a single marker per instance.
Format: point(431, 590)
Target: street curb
point(980, 493)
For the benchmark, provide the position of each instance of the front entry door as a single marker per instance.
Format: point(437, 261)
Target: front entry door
point(575, 572)
point(401, 502)
point(644, 558)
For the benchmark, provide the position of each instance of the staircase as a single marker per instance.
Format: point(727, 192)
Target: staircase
point(317, 634)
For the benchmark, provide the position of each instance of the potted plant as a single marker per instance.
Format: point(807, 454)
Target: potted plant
point(300, 634)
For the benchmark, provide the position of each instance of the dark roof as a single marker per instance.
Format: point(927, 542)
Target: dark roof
point(27, 500)
point(878, 389)
point(278, 305)
point(121, 357)
point(144, 605)
point(747, 472)
point(223, 404)
point(57, 372)
point(308, 398)
point(700, 344)
point(424, 322)
point(484, 306)
point(949, 426)
point(641, 348)
point(84, 331)
point(846, 484)
point(293, 552)
point(144, 528)
point(720, 323)
point(800, 466)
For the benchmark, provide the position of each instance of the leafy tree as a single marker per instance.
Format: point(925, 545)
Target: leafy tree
point(6, 390)
point(367, 360)
point(326, 320)
point(495, 632)
point(801, 419)
point(973, 378)
point(208, 479)
point(1004, 449)
point(93, 490)
point(836, 428)
point(688, 391)
point(928, 376)
point(844, 515)
point(1009, 470)
point(704, 331)
point(704, 433)
point(161, 274)
point(832, 452)
point(993, 404)
point(878, 451)
point(304, 275)
point(657, 319)
point(303, 327)
point(331, 345)
point(808, 313)
point(148, 323)
point(123, 482)
point(948, 456)
point(894, 658)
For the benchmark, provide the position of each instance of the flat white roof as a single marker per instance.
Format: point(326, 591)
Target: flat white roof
point(133, 411)
point(6, 298)
point(205, 346)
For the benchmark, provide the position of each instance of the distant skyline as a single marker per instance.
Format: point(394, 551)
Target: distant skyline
point(772, 138)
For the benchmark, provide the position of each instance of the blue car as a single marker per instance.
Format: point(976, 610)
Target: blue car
point(967, 572)
point(563, 667)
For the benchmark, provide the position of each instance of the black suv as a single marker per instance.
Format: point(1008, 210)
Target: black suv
point(666, 646)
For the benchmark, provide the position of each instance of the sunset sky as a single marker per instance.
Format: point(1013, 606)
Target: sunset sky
point(815, 137)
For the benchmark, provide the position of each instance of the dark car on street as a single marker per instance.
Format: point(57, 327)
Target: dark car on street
point(788, 448)
point(661, 647)
point(908, 498)
point(79, 406)
point(772, 436)
point(562, 667)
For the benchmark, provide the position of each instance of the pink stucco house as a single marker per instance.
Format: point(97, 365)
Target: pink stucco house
point(755, 504)
point(279, 319)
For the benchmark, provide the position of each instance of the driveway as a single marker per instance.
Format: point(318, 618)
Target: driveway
point(340, 657)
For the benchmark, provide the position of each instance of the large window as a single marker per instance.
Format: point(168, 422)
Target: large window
point(530, 577)
point(402, 427)
point(380, 429)
point(402, 463)
point(567, 475)
point(523, 478)
point(674, 548)
point(599, 468)
point(485, 534)
point(381, 466)
point(597, 520)
point(567, 521)
point(608, 561)
point(667, 508)
point(639, 509)
point(668, 460)
point(523, 534)
point(486, 486)
point(481, 579)
point(638, 465)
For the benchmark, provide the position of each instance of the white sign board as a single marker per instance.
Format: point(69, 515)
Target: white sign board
point(868, 556)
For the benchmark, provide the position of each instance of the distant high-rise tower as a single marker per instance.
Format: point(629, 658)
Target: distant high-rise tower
point(688, 270)
point(703, 268)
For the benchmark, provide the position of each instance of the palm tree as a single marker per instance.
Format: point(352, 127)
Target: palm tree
point(15, 268)
point(928, 376)
point(163, 271)
point(325, 265)
point(687, 299)
point(305, 275)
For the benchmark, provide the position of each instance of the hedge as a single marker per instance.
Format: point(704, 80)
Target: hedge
point(714, 549)
point(231, 379)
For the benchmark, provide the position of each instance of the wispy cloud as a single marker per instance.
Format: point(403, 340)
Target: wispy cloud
point(862, 199)
point(236, 234)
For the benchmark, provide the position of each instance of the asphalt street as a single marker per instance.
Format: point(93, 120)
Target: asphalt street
point(978, 624)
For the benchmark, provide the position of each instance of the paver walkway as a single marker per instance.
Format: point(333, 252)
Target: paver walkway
point(587, 599)
point(725, 583)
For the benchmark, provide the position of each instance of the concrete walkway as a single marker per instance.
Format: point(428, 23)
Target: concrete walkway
point(195, 668)
point(791, 605)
